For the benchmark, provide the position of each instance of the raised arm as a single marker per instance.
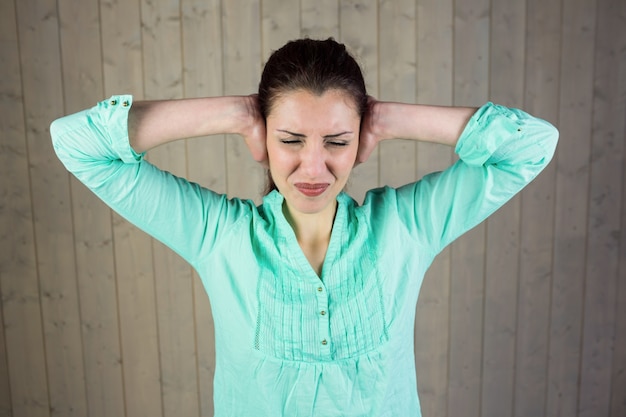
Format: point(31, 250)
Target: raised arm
point(95, 146)
point(153, 123)
point(389, 120)
point(500, 151)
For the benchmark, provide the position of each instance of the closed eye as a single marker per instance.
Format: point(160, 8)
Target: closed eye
point(290, 141)
point(337, 143)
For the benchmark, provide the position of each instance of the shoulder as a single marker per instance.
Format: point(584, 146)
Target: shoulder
point(380, 202)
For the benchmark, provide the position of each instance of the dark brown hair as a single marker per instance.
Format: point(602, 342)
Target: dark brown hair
point(316, 66)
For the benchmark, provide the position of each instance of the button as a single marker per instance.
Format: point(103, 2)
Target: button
point(320, 289)
point(125, 104)
point(113, 102)
point(323, 313)
point(324, 342)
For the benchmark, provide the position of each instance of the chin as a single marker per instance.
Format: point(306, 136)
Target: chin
point(311, 205)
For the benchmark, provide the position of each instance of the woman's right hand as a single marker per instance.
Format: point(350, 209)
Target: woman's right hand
point(253, 129)
point(153, 123)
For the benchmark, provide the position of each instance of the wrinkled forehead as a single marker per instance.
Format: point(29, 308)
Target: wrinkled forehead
point(307, 113)
point(300, 99)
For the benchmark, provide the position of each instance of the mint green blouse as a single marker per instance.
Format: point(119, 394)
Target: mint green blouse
point(290, 343)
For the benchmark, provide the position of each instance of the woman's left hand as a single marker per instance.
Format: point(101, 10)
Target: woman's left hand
point(371, 130)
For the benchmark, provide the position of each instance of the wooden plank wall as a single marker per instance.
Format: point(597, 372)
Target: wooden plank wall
point(524, 316)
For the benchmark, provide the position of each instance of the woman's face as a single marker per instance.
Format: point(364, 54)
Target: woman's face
point(312, 143)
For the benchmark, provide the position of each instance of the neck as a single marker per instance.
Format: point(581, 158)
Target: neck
point(314, 227)
point(313, 233)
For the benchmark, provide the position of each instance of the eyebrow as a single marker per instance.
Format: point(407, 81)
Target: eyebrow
point(300, 135)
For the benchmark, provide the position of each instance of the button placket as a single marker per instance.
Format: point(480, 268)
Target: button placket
point(323, 319)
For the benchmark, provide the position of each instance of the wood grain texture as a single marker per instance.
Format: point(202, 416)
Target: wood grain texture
point(38, 31)
point(123, 72)
point(319, 19)
point(397, 83)
point(122, 65)
point(26, 374)
point(524, 316)
point(5, 384)
point(95, 266)
point(616, 20)
point(604, 213)
point(280, 23)
point(572, 182)
point(358, 26)
point(241, 46)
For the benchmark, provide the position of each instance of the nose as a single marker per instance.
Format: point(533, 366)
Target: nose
point(313, 161)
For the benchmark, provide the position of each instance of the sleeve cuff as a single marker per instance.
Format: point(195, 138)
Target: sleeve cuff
point(114, 113)
point(487, 130)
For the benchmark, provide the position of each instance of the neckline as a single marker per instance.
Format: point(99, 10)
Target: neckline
point(292, 248)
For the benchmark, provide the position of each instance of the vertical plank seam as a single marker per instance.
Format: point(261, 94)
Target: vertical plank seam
point(485, 237)
point(414, 143)
point(587, 219)
point(417, 77)
point(261, 37)
point(581, 343)
point(621, 227)
point(300, 16)
point(415, 57)
point(112, 223)
point(554, 225)
point(519, 228)
point(30, 182)
point(222, 63)
point(482, 322)
point(416, 157)
point(519, 224)
point(620, 263)
point(102, 92)
point(338, 19)
point(6, 355)
point(85, 388)
point(6, 352)
point(378, 156)
point(119, 319)
point(452, 100)
point(143, 61)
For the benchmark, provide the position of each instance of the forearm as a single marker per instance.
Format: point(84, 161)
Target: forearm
point(438, 124)
point(153, 123)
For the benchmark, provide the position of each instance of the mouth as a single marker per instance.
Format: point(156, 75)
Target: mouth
point(311, 190)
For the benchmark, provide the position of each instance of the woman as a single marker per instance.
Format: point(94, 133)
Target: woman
point(313, 295)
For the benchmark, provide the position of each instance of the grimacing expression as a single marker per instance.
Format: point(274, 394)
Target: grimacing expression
point(312, 142)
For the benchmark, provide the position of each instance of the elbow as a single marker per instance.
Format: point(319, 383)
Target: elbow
point(63, 142)
point(56, 134)
point(548, 140)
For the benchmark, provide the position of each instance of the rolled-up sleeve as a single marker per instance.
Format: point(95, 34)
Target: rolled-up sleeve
point(500, 151)
point(93, 145)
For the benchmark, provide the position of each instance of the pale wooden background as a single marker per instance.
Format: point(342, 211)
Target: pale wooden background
point(525, 316)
